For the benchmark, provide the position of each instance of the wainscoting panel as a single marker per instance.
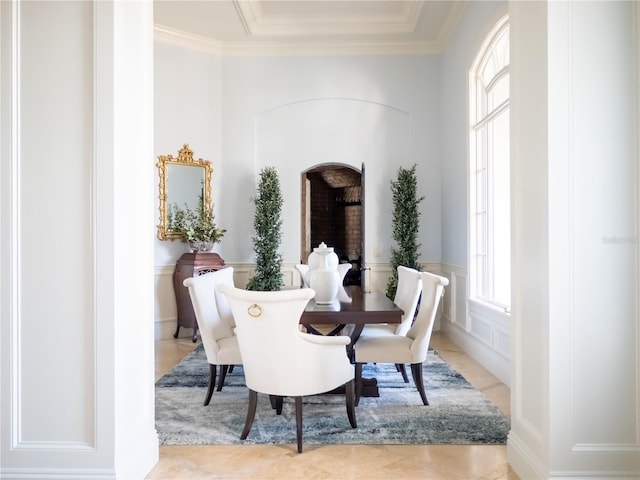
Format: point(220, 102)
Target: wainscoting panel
point(454, 308)
point(502, 340)
point(447, 301)
point(480, 328)
point(484, 333)
point(460, 316)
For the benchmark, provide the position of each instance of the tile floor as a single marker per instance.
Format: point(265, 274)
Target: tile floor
point(262, 462)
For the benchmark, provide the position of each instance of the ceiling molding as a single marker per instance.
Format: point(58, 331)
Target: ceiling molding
point(179, 38)
point(416, 10)
point(188, 40)
point(313, 29)
point(450, 24)
point(242, 16)
point(258, 21)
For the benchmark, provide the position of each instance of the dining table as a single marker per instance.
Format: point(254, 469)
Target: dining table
point(356, 307)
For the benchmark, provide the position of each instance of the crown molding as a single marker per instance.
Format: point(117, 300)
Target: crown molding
point(258, 22)
point(180, 38)
point(250, 15)
point(450, 24)
point(268, 33)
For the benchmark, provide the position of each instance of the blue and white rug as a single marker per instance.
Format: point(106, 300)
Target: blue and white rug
point(457, 413)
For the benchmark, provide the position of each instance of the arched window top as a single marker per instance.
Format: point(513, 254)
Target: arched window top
point(490, 72)
point(496, 56)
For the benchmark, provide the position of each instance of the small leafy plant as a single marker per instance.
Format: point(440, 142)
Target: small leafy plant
point(195, 225)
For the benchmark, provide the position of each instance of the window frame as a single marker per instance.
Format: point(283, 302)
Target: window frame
point(483, 115)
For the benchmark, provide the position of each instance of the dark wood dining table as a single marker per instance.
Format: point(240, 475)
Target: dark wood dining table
point(353, 306)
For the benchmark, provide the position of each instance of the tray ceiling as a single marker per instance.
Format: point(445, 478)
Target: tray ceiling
point(420, 26)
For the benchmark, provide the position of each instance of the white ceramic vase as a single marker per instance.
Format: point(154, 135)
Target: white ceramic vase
point(323, 274)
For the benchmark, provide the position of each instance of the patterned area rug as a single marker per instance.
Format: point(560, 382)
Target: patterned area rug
point(457, 413)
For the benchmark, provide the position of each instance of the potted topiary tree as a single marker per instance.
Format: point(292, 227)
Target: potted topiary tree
point(405, 225)
point(268, 233)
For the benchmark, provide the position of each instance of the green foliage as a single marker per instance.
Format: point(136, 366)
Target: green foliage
point(268, 233)
point(195, 226)
point(405, 225)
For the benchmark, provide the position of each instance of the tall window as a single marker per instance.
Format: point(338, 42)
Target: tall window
point(489, 192)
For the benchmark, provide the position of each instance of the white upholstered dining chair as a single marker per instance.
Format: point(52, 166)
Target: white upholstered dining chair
point(216, 324)
point(407, 297)
point(302, 269)
point(411, 347)
point(343, 269)
point(280, 360)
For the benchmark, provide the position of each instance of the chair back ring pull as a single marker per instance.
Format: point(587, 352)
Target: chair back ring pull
point(254, 310)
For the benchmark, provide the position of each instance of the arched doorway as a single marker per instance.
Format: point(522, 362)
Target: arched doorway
point(332, 203)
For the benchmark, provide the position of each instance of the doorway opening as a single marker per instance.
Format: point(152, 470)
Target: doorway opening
point(332, 204)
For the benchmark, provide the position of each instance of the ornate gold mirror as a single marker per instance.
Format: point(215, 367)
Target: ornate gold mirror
point(183, 182)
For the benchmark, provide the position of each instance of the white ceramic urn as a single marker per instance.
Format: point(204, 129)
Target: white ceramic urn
point(323, 274)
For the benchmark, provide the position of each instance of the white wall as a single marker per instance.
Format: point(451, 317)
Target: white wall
point(463, 45)
point(187, 107)
point(293, 113)
point(187, 101)
point(296, 112)
point(342, 130)
point(484, 333)
point(76, 198)
point(575, 405)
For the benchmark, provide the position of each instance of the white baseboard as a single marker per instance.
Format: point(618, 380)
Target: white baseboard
point(481, 353)
point(522, 460)
point(57, 473)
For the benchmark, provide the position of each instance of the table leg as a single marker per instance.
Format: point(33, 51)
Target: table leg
point(369, 385)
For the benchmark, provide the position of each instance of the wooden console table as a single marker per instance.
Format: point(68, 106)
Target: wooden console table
point(191, 265)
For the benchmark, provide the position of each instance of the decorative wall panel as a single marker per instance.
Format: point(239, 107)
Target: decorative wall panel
point(52, 188)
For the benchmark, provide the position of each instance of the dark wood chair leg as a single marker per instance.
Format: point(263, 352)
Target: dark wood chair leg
point(272, 399)
point(299, 422)
point(223, 374)
point(212, 382)
point(355, 334)
point(251, 413)
point(358, 382)
point(231, 368)
point(279, 405)
point(416, 372)
point(403, 371)
point(349, 391)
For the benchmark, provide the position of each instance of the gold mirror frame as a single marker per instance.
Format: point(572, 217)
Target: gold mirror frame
point(185, 158)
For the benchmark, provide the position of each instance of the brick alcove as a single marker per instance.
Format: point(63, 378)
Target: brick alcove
point(332, 209)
